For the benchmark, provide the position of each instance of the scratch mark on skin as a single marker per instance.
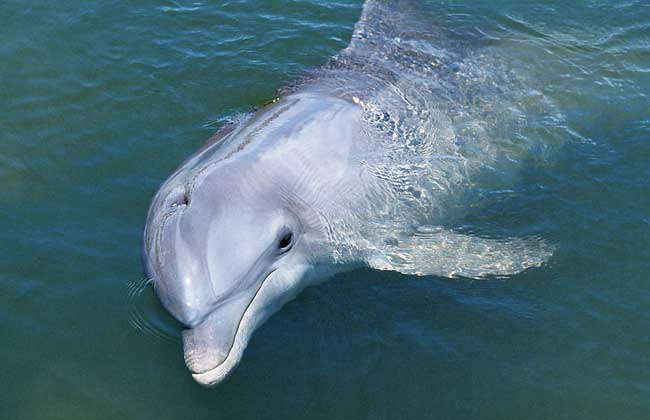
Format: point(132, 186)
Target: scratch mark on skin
point(245, 142)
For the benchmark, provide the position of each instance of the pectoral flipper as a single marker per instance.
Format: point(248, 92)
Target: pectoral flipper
point(442, 252)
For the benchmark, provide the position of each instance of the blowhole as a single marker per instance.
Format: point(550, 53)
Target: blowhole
point(182, 199)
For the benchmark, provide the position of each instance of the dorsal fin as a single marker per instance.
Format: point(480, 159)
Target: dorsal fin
point(393, 39)
point(384, 21)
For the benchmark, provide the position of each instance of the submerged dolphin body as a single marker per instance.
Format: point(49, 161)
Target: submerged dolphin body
point(358, 166)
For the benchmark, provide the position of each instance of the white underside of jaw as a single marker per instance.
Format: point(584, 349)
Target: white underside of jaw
point(222, 371)
point(262, 306)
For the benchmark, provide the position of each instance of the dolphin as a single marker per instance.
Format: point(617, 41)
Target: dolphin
point(358, 165)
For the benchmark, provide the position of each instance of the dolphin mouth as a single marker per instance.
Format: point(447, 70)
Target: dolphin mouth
point(214, 348)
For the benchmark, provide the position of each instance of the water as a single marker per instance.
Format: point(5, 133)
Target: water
point(102, 101)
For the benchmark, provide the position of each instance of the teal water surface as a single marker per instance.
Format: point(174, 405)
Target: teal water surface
point(102, 100)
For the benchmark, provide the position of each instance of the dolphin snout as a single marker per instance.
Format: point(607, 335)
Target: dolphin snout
point(204, 347)
point(209, 343)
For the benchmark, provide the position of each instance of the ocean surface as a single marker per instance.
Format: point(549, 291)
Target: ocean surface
point(101, 101)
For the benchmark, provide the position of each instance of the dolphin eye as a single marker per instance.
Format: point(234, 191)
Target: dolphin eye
point(285, 241)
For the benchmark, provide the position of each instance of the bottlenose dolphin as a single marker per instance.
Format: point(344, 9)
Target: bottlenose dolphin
point(358, 165)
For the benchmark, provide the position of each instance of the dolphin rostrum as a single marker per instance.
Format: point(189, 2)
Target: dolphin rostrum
point(359, 165)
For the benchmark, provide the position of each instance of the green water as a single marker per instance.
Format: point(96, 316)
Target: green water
point(101, 100)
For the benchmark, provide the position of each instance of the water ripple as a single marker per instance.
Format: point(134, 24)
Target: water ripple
point(146, 315)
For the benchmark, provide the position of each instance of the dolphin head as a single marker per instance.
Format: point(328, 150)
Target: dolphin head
point(243, 226)
point(224, 254)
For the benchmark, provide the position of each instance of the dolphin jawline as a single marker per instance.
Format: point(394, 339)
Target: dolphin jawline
point(244, 329)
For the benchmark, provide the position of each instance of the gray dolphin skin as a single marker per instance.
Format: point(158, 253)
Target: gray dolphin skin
point(361, 164)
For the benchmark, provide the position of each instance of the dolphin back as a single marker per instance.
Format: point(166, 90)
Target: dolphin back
point(447, 116)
